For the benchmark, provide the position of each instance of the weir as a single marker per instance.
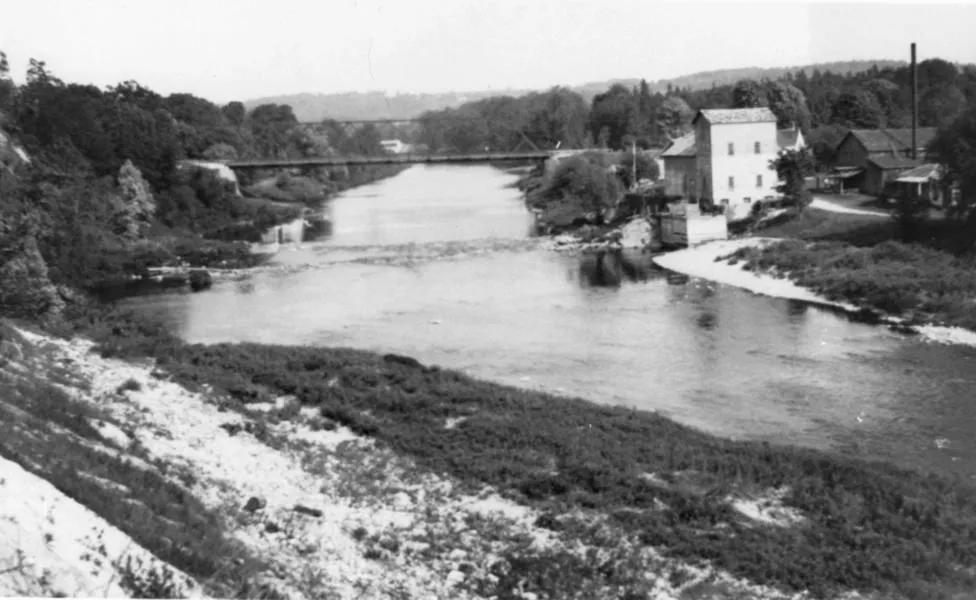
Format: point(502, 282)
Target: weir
point(286, 233)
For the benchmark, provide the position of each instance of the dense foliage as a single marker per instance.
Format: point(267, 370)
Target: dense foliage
point(94, 177)
point(793, 167)
point(654, 114)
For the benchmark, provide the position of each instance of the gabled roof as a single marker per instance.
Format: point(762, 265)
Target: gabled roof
point(683, 147)
point(923, 137)
point(787, 138)
point(893, 162)
point(724, 116)
point(892, 140)
point(921, 174)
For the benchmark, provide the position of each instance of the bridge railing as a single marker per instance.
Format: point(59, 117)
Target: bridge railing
point(406, 158)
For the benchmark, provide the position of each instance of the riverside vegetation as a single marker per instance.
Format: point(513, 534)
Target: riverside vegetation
point(864, 526)
point(93, 177)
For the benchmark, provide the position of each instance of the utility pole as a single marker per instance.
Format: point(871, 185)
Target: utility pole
point(633, 150)
point(914, 106)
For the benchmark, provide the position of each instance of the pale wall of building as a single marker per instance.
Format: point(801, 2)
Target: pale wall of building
point(679, 176)
point(744, 176)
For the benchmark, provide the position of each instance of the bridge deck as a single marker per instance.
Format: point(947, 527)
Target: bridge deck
point(392, 159)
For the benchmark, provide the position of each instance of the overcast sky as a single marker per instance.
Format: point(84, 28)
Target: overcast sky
point(240, 49)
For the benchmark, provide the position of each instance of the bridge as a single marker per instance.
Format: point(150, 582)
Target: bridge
point(397, 153)
point(394, 159)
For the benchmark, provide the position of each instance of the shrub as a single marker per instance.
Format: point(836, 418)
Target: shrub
point(892, 277)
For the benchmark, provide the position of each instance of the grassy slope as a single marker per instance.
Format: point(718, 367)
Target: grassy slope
point(870, 526)
point(852, 258)
point(54, 436)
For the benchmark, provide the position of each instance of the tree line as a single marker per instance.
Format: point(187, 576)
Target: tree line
point(823, 105)
point(103, 180)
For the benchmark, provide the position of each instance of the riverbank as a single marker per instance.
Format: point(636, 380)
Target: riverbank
point(727, 262)
point(632, 486)
point(325, 505)
point(168, 257)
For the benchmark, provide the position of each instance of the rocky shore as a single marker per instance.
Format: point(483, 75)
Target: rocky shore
point(314, 510)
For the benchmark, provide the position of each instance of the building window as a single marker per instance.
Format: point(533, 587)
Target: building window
point(731, 183)
point(758, 181)
point(758, 147)
point(731, 149)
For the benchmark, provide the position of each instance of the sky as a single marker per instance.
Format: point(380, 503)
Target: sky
point(242, 49)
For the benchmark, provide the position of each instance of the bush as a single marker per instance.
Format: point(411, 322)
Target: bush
point(581, 186)
point(892, 277)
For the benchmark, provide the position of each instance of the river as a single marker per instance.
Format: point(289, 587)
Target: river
point(438, 263)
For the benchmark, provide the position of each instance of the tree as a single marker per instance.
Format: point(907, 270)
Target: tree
point(909, 211)
point(823, 141)
point(220, 152)
point(130, 92)
point(793, 167)
point(857, 108)
point(616, 111)
point(559, 117)
point(955, 145)
point(674, 117)
point(890, 100)
point(7, 87)
point(940, 105)
point(586, 182)
point(821, 102)
point(271, 124)
point(646, 168)
point(646, 110)
point(138, 206)
point(789, 104)
point(747, 93)
point(234, 112)
point(935, 72)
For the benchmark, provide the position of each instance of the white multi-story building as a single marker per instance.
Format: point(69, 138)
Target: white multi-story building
point(734, 150)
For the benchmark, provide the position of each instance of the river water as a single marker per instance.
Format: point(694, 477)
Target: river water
point(438, 263)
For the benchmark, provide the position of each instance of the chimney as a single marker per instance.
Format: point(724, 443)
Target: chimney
point(914, 105)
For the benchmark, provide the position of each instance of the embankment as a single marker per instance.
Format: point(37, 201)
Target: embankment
point(335, 491)
point(635, 498)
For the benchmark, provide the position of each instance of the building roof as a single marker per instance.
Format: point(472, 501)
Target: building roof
point(787, 138)
point(736, 115)
point(846, 172)
point(683, 147)
point(921, 174)
point(923, 137)
point(892, 140)
point(887, 163)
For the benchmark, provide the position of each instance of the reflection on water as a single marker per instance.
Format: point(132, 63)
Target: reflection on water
point(435, 264)
point(610, 268)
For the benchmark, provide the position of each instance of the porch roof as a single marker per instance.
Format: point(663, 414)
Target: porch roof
point(920, 174)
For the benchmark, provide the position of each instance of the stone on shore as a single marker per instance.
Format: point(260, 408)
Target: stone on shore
point(200, 280)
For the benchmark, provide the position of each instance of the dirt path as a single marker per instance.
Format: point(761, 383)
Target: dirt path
point(837, 208)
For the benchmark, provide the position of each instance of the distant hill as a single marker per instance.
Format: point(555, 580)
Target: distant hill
point(706, 79)
point(378, 105)
point(373, 105)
